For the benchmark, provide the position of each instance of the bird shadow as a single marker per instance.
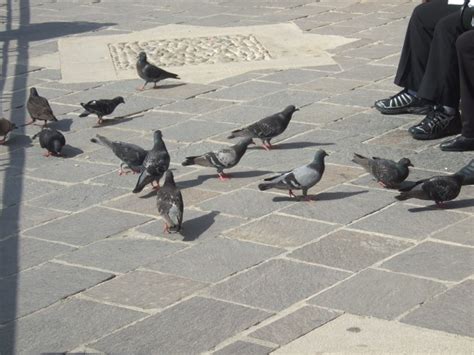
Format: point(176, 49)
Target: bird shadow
point(167, 86)
point(203, 178)
point(18, 141)
point(149, 194)
point(324, 196)
point(296, 145)
point(63, 125)
point(69, 151)
point(450, 205)
point(115, 121)
point(194, 228)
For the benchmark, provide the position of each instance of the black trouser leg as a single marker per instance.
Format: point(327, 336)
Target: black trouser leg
point(465, 51)
point(418, 39)
point(440, 82)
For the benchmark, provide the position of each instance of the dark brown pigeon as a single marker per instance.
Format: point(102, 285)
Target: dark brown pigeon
point(39, 109)
point(170, 204)
point(5, 128)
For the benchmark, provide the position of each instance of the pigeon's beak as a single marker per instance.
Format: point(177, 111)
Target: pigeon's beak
point(252, 142)
point(297, 109)
point(411, 165)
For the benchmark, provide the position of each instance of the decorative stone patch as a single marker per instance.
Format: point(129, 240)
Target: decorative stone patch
point(189, 51)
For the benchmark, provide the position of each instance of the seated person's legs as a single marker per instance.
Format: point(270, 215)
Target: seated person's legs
point(465, 52)
point(414, 59)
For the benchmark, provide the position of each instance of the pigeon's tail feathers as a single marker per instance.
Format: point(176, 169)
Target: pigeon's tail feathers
point(143, 180)
point(237, 133)
point(467, 173)
point(271, 178)
point(55, 119)
point(361, 160)
point(403, 196)
point(189, 161)
point(85, 114)
point(411, 186)
point(265, 186)
point(14, 126)
point(36, 135)
point(102, 141)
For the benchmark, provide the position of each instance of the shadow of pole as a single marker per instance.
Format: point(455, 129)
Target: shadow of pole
point(9, 286)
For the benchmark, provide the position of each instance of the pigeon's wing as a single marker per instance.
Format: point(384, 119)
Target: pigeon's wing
point(144, 179)
point(130, 154)
point(226, 157)
point(61, 137)
point(39, 108)
point(267, 127)
point(385, 171)
point(99, 107)
point(441, 188)
point(306, 176)
point(152, 71)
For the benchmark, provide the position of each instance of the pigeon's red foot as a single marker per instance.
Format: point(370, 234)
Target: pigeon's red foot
point(47, 154)
point(309, 199)
point(382, 184)
point(100, 121)
point(3, 141)
point(28, 123)
point(440, 204)
point(267, 146)
point(155, 187)
point(291, 193)
point(166, 229)
point(224, 177)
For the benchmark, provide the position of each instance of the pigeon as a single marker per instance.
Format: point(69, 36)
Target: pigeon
point(151, 73)
point(5, 128)
point(101, 108)
point(437, 188)
point(225, 158)
point(387, 172)
point(156, 162)
point(468, 173)
point(302, 178)
point(38, 108)
point(267, 128)
point(131, 155)
point(170, 204)
point(52, 140)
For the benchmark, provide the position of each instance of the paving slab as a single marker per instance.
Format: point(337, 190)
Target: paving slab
point(353, 334)
point(458, 233)
point(209, 322)
point(17, 254)
point(121, 255)
point(289, 97)
point(40, 287)
point(214, 259)
point(349, 250)
point(244, 348)
point(295, 325)
point(78, 229)
point(64, 326)
point(436, 260)
point(161, 290)
point(246, 91)
point(449, 312)
point(197, 105)
point(277, 284)
point(378, 294)
point(195, 130)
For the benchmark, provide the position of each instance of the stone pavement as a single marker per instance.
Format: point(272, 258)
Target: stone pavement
point(84, 265)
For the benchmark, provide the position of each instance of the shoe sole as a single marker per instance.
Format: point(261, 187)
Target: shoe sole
point(429, 138)
point(399, 111)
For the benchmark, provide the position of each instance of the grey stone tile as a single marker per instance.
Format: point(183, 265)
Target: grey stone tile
point(20, 217)
point(379, 294)
point(137, 104)
point(68, 170)
point(293, 76)
point(91, 94)
point(436, 260)
point(121, 255)
point(358, 97)
point(238, 79)
point(196, 105)
point(246, 92)
point(450, 312)
point(17, 254)
point(125, 181)
point(367, 72)
point(215, 259)
point(196, 225)
point(435, 159)
point(281, 231)
point(40, 287)
point(294, 325)
point(238, 114)
point(208, 323)
point(245, 203)
point(64, 326)
point(342, 204)
point(349, 250)
point(321, 113)
point(372, 52)
point(244, 348)
point(400, 220)
point(178, 91)
point(331, 85)
point(78, 197)
point(194, 130)
point(400, 138)
point(161, 289)
point(368, 123)
point(153, 120)
point(458, 233)
point(289, 97)
point(277, 284)
point(79, 229)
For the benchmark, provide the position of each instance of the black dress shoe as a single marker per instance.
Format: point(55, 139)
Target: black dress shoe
point(458, 144)
point(437, 124)
point(403, 102)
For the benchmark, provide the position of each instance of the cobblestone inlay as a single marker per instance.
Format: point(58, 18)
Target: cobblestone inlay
point(189, 51)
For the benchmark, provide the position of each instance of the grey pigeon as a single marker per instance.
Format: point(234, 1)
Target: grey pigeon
point(101, 107)
point(52, 140)
point(170, 204)
point(39, 109)
point(156, 162)
point(151, 73)
point(225, 158)
point(267, 128)
point(131, 155)
point(437, 188)
point(5, 127)
point(387, 172)
point(302, 178)
point(468, 173)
